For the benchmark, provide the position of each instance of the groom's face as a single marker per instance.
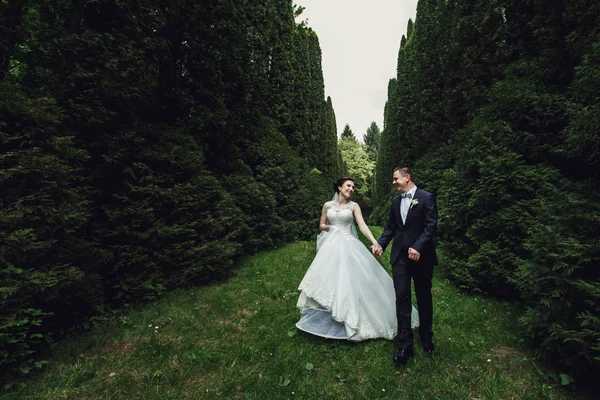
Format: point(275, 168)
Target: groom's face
point(401, 181)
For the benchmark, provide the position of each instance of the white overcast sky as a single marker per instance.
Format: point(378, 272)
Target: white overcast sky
point(359, 44)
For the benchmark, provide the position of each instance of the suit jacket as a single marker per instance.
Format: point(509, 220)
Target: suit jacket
point(417, 232)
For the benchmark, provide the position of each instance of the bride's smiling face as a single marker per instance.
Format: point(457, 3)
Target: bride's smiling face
point(346, 189)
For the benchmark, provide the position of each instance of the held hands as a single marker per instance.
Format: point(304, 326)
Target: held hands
point(413, 254)
point(377, 250)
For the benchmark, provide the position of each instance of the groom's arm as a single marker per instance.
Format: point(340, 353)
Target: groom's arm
point(431, 218)
point(389, 230)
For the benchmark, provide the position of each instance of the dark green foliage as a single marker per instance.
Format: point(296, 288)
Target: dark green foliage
point(48, 262)
point(386, 156)
point(371, 146)
point(331, 129)
point(11, 14)
point(371, 140)
point(496, 106)
point(311, 129)
point(147, 146)
point(347, 133)
point(409, 28)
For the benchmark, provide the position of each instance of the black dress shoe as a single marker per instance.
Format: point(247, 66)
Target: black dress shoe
point(402, 356)
point(428, 346)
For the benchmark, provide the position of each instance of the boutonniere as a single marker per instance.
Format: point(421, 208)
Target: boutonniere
point(414, 202)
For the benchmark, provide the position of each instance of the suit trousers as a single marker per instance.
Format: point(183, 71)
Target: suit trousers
point(403, 270)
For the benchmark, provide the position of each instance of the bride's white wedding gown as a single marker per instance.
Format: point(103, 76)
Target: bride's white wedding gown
point(346, 293)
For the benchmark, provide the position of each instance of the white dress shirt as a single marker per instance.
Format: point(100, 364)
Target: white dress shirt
point(405, 204)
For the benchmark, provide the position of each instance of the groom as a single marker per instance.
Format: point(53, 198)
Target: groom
point(412, 224)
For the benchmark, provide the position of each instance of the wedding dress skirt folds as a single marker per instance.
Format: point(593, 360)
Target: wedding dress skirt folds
point(346, 293)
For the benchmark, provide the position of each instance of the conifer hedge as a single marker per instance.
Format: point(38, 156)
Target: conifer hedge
point(146, 146)
point(496, 107)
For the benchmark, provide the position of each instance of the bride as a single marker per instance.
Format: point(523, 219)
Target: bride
point(346, 293)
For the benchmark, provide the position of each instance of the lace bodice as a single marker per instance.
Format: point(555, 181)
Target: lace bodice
point(341, 216)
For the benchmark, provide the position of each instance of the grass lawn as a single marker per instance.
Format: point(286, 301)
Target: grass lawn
point(237, 340)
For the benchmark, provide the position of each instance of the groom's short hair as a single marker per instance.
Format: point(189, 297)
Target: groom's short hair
point(405, 170)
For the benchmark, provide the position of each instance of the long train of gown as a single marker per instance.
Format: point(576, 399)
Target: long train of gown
point(346, 293)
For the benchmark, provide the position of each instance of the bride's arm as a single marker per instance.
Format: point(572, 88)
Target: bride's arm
point(363, 226)
point(323, 222)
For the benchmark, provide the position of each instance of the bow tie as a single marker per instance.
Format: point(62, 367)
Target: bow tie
point(406, 195)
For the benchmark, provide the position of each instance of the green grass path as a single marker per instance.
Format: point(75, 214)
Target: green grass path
point(237, 340)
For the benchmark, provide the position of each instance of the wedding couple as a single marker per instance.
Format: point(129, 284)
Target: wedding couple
point(346, 294)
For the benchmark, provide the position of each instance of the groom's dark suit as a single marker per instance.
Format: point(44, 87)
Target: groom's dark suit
point(417, 232)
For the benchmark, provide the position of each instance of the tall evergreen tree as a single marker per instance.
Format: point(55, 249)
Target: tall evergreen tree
point(409, 28)
point(347, 133)
point(386, 158)
point(331, 142)
point(371, 140)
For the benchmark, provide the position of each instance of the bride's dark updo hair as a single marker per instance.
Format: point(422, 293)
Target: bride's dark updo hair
point(340, 182)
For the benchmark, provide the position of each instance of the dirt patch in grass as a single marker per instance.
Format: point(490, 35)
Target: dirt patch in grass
point(437, 290)
point(168, 338)
point(239, 322)
point(136, 374)
point(119, 348)
point(506, 351)
point(510, 361)
point(174, 362)
point(199, 384)
point(454, 367)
